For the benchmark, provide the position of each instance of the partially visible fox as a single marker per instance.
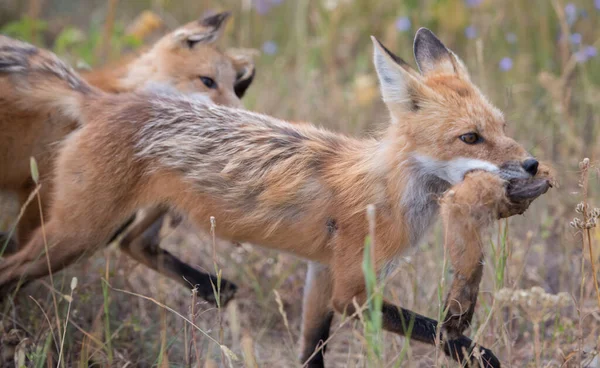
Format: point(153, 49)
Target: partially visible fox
point(297, 188)
point(185, 59)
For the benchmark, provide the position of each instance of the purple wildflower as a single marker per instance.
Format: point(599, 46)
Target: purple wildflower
point(506, 64)
point(471, 32)
point(576, 38)
point(571, 13)
point(262, 7)
point(269, 48)
point(473, 3)
point(590, 51)
point(402, 24)
point(597, 4)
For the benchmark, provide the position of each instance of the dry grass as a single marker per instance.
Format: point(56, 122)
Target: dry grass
point(321, 72)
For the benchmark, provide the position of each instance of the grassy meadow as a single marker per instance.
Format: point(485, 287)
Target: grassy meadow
point(537, 60)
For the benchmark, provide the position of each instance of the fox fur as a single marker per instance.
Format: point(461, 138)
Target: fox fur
point(33, 121)
point(292, 187)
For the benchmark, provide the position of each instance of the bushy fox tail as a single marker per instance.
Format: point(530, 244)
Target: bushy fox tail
point(40, 80)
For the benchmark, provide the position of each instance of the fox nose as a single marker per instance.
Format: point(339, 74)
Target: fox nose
point(531, 166)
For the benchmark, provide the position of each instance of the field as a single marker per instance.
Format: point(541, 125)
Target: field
point(536, 60)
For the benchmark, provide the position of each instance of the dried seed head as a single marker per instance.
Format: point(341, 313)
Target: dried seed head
point(73, 283)
point(536, 303)
point(591, 223)
point(504, 295)
point(577, 224)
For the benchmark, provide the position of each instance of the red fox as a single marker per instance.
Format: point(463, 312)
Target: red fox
point(185, 59)
point(292, 187)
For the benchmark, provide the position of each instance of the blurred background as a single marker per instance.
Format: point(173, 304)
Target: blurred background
point(537, 60)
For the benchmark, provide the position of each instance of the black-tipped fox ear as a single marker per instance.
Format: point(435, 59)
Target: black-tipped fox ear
point(433, 56)
point(215, 20)
point(393, 56)
point(243, 62)
point(243, 81)
point(401, 85)
point(206, 30)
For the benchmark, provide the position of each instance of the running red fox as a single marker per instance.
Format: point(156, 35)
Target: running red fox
point(185, 59)
point(292, 187)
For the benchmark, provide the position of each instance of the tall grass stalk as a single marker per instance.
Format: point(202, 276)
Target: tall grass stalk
point(35, 175)
point(33, 12)
point(106, 305)
point(372, 317)
point(62, 345)
point(102, 52)
point(501, 254)
point(585, 173)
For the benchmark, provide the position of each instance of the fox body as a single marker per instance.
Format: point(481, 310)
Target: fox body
point(186, 59)
point(292, 187)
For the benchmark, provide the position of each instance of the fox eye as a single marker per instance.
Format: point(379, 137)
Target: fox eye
point(471, 138)
point(209, 82)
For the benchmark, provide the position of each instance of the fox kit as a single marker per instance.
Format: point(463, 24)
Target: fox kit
point(296, 188)
point(185, 59)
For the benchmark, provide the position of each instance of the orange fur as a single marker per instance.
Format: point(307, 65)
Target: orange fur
point(31, 126)
point(296, 188)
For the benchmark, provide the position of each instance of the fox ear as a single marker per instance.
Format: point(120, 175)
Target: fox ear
point(433, 56)
point(243, 62)
point(206, 30)
point(400, 84)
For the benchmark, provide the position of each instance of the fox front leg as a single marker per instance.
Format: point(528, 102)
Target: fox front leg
point(467, 209)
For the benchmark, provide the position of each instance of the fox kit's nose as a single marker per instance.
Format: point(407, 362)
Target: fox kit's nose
point(531, 166)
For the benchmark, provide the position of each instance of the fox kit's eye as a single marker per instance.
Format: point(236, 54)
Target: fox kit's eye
point(471, 138)
point(209, 82)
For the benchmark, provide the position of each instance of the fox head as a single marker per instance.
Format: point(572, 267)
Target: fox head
point(188, 60)
point(441, 117)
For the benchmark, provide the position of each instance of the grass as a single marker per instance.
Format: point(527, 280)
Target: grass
point(316, 66)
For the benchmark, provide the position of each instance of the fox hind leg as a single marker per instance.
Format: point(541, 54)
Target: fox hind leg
point(142, 243)
point(317, 315)
point(65, 247)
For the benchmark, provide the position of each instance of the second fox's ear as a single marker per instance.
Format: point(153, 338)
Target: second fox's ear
point(433, 56)
point(206, 30)
point(243, 62)
point(401, 85)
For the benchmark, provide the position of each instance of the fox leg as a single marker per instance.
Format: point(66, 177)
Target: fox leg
point(28, 222)
point(142, 241)
point(417, 327)
point(317, 315)
point(78, 225)
point(66, 244)
point(466, 256)
point(468, 209)
point(31, 218)
point(348, 285)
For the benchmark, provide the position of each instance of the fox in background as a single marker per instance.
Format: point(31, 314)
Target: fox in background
point(186, 59)
point(292, 187)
